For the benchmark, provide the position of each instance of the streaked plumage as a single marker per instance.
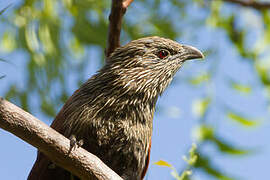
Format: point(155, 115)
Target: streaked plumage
point(113, 111)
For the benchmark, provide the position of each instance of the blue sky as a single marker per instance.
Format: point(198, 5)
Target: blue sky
point(174, 122)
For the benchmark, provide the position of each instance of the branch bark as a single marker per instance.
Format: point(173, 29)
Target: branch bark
point(251, 3)
point(118, 9)
point(54, 145)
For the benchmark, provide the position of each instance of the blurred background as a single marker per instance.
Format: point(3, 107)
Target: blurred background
point(48, 48)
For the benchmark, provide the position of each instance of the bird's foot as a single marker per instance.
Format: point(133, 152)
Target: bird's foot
point(74, 143)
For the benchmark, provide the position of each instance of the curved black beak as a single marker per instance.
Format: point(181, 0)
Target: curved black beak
point(190, 52)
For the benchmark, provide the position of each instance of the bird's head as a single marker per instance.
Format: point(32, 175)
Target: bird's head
point(149, 64)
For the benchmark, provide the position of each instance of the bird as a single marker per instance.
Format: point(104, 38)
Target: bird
point(112, 112)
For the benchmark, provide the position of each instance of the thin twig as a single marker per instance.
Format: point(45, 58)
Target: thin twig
point(118, 9)
point(252, 4)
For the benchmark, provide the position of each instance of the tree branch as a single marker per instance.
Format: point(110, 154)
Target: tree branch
point(118, 9)
point(54, 145)
point(251, 3)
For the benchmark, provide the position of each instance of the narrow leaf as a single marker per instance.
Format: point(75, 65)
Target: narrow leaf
point(200, 79)
point(228, 148)
point(242, 120)
point(200, 106)
point(163, 163)
point(242, 88)
point(206, 165)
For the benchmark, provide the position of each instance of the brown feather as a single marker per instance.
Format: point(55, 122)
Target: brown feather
point(113, 111)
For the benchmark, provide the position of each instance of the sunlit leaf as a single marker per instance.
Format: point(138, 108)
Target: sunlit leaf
point(200, 106)
point(203, 132)
point(242, 120)
point(68, 3)
point(31, 37)
point(243, 88)
point(263, 73)
point(184, 175)
point(46, 38)
point(8, 43)
point(191, 160)
point(206, 133)
point(204, 163)
point(174, 173)
point(200, 79)
point(163, 163)
point(228, 148)
point(39, 59)
point(214, 18)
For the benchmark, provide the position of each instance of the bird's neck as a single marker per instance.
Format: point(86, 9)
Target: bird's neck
point(117, 96)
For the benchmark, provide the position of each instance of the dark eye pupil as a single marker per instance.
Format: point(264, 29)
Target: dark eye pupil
point(162, 54)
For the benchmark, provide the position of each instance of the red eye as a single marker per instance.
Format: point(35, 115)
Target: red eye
point(162, 54)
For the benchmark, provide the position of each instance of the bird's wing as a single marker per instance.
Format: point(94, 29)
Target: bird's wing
point(147, 160)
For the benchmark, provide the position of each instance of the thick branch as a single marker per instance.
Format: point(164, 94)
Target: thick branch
point(54, 145)
point(252, 4)
point(118, 10)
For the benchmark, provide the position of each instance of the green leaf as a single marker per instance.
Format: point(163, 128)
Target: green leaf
point(214, 18)
point(204, 132)
point(242, 120)
point(200, 79)
point(184, 175)
point(243, 88)
point(228, 148)
point(3, 10)
point(200, 106)
point(163, 163)
point(8, 42)
point(191, 160)
point(204, 163)
point(174, 173)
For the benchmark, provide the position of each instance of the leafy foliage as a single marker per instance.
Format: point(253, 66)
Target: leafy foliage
point(191, 161)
